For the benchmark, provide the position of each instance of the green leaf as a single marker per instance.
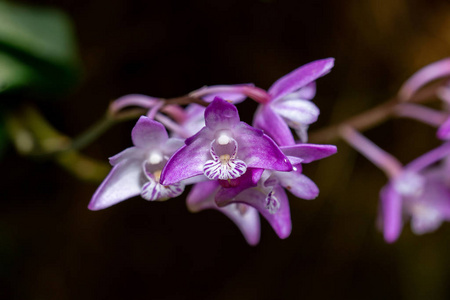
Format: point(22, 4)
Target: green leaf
point(13, 73)
point(37, 48)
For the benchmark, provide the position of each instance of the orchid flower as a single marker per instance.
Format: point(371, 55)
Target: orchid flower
point(223, 149)
point(137, 170)
point(421, 192)
point(287, 103)
point(263, 190)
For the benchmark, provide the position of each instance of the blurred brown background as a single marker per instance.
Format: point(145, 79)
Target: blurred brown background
point(52, 247)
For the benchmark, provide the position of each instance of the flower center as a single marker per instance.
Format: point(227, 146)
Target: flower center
point(157, 175)
point(224, 165)
point(272, 203)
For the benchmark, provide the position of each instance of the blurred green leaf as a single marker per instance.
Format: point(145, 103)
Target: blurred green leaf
point(37, 49)
point(13, 73)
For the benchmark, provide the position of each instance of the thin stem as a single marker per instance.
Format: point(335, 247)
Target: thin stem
point(383, 160)
point(371, 117)
point(421, 113)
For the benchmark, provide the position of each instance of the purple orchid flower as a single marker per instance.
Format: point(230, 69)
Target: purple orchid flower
point(418, 190)
point(223, 149)
point(137, 170)
point(287, 103)
point(421, 192)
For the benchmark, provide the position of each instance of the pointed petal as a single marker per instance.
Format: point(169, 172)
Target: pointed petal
point(297, 111)
point(148, 133)
point(122, 182)
point(300, 77)
point(221, 114)
point(425, 75)
point(280, 220)
point(273, 125)
point(129, 153)
point(259, 151)
point(309, 152)
point(202, 197)
point(429, 158)
point(247, 222)
point(187, 162)
point(391, 205)
point(298, 184)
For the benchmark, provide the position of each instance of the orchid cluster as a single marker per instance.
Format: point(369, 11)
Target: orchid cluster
point(420, 190)
point(235, 168)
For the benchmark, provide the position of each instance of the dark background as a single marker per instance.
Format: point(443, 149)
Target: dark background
point(52, 247)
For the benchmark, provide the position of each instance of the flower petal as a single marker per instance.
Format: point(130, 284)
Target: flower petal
point(153, 191)
point(300, 77)
point(221, 114)
point(298, 184)
point(309, 152)
point(258, 150)
point(122, 182)
point(248, 180)
point(187, 162)
point(306, 93)
point(391, 205)
point(429, 158)
point(129, 153)
point(281, 219)
point(273, 125)
point(200, 194)
point(425, 75)
point(297, 111)
point(148, 133)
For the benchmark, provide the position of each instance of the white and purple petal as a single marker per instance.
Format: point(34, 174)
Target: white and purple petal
point(300, 77)
point(309, 152)
point(296, 111)
point(152, 191)
point(215, 169)
point(122, 182)
point(129, 153)
point(275, 209)
point(298, 184)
